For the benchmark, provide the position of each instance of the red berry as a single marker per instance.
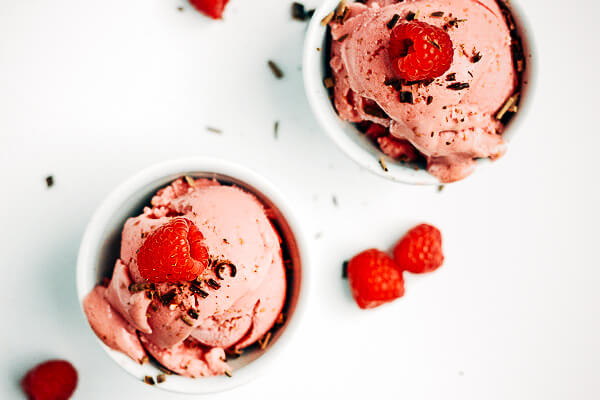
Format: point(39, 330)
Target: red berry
point(420, 51)
point(420, 250)
point(50, 380)
point(212, 8)
point(374, 279)
point(173, 252)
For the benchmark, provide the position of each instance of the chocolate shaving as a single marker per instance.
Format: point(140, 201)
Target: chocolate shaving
point(167, 298)
point(161, 378)
point(440, 188)
point(49, 181)
point(394, 82)
point(476, 57)
point(392, 22)
point(345, 270)
point(437, 14)
point(410, 16)
point(195, 288)
point(298, 11)
point(458, 86)
point(149, 380)
point(328, 82)
point(277, 72)
point(451, 77)
point(193, 313)
point(406, 97)
point(213, 284)
point(429, 100)
point(188, 321)
point(138, 287)
point(220, 267)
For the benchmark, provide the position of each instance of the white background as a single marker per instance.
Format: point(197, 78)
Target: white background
point(94, 91)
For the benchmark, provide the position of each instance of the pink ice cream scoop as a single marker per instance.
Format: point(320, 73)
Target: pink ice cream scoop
point(450, 120)
point(188, 326)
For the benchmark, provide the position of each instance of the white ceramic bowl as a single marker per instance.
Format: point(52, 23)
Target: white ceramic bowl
point(350, 140)
point(101, 243)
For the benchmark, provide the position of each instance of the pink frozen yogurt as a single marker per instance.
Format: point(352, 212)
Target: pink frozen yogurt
point(189, 326)
point(450, 128)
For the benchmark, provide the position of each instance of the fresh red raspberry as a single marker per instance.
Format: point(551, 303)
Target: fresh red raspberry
point(50, 380)
point(420, 51)
point(420, 250)
point(212, 8)
point(397, 149)
point(173, 252)
point(374, 279)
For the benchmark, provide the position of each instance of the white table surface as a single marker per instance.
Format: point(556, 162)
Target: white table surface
point(93, 91)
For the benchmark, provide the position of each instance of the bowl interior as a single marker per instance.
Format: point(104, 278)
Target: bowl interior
point(101, 247)
point(353, 142)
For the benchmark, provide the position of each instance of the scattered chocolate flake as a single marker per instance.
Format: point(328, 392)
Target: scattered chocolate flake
point(410, 16)
point(149, 380)
point(310, 13)
point(327, 19)
point(160, 378)
point(264, 341)
point(298, 11)
point(427, 82)
point(213, 284)
point(277, 72)
point(194, 288)
point(214, 130)
point(188, 321)
point(138, 287)
point(429, 100)
point(512, 100)
point(451, 77)
point(375, 111)
point(220, 267)
point(383, 164)
point(192, 313)
point(49, 181)
point(167, 298)
point(393, 21)
point(394, 83)
point(345, 270)
point(453, 23)
point(224, 241)
point(190, 181)
point(470, 74)
point(406, 97)
point(180, 9)
point(328, 82)
point(458, 86)
point(276, 129)
point(229, 373)
point(476, 57)
point(437, 14)
point(440, 188)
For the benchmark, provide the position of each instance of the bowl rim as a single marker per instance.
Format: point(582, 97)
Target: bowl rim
point(86, 278)
point(345, 135)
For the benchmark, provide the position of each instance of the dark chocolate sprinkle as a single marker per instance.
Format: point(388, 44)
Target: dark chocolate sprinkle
point(192, 313)
point(429, 99)
point(406, 97)
point(451, 77)
point(167, 298)
point(345, 270)
point(393, 82)
point(49, 181)
point(393, 21)
point(437, 14)
point(410, 16)
point(476, 58)
point(277, 72)
point(220, 267)
point(194, 288)
point(298, 11)
point(458, 86)
point(213, 284)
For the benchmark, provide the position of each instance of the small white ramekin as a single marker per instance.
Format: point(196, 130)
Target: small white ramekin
point(350, 140)
point(101, 243)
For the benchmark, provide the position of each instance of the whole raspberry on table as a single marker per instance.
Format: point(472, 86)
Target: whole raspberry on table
point(212, 8)
point(420, 250)
point(173, 252)
point(420, 51)
point(50, 380)
point(374, 279)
